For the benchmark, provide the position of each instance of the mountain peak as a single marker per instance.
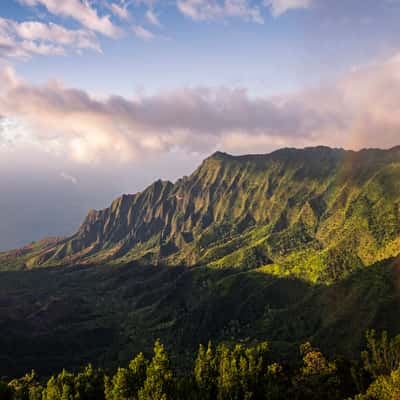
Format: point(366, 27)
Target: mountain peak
point(249, 211)
point(220, 155)
point(288, 151)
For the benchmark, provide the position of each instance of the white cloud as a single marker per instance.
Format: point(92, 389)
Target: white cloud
point(202, 10)
point(279, 7)
point(9, 79)
point(121, 12)
point(10, 48)
point(24, 39)
point(359, 110)
point(11, 132)
point(81, 11)
point(152, 18)
point(143, 33)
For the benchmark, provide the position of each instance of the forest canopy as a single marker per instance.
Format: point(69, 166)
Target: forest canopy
point(227, 373)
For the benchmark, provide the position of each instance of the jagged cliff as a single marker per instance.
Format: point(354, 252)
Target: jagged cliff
point(316, 213)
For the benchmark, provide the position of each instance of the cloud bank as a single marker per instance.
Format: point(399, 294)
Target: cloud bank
point(359, 110)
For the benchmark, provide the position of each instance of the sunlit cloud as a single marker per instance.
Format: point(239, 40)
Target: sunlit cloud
point(359, 110)
point(83, 12)
point(152, 18)
point(121, 11)
point(279, 7)
point(25, 39)
point(143, 33)
point(203, 10)
point(13, 131)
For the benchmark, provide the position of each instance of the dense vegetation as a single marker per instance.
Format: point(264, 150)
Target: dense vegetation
point(318, 214)
point(293, 247)
point(63, 317)
point(239, 372)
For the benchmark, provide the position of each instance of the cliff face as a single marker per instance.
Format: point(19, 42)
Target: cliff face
point(317, 213)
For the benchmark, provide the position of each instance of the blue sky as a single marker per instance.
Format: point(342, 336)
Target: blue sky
point(274, 55)
point(101, 97)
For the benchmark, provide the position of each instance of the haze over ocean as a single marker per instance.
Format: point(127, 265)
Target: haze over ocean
point(101, 98)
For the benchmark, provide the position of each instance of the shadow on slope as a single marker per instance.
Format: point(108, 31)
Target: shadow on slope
point(66, 317)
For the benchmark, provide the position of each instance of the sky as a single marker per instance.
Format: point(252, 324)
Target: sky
point(102, 97)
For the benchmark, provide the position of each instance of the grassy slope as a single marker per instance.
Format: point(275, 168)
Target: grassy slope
point(318, 214)
point(64, 317)
point(270, 231)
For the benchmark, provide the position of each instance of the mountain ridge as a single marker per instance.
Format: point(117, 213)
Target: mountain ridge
point(276, 210)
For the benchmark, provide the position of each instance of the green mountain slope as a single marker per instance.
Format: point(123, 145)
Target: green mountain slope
point(270, 247)
point(317, 214)
point(54, 318)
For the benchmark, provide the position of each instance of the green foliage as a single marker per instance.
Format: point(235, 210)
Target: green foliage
point(382, 355)
point(382, 362)
point(237, 372)
point(87, 385)
point(225, 373)
point(281, 242)
point(107, 313)
point(206, 372)
point(159, 383)
point(240, 371)
point(385, 387)
point(26, 388)
point(317, 214)
point(318, 377)
point(127, 382)
point(60, 387)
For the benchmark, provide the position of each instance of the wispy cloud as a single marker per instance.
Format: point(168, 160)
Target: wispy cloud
point(81, 11)
point(10, 48)
point(121, 11)
point(152, 18)
point(24, 39)
point(279, 7)
point(110, 18)
point(143, 33)
point(202, 10)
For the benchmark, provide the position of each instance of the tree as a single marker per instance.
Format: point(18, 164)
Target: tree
point(317, 377)
point(159, 377)
point(36, 392)
point(206, 372)
point(89, 384)
point(138, 372)
point(118, 387)
point(60, 387)
point(127, 382)
point(229, 387)
point(26, 388)
point(383, 388)
point(382, 355)
point(275, 383)
point(241, 372)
